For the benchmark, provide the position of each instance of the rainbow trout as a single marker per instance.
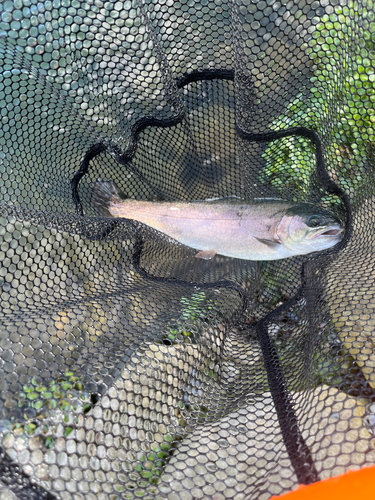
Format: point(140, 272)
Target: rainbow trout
point(262, 230)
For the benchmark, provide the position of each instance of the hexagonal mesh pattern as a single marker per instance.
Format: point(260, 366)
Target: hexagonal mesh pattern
point(130, 368)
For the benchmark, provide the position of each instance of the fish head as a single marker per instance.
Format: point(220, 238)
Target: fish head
point(306, 228)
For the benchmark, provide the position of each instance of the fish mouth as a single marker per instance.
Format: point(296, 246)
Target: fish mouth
point(330, 232)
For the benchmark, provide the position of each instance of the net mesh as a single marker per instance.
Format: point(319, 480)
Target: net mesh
point(129, 368)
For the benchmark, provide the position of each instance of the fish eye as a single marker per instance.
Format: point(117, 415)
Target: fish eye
point(314, 221)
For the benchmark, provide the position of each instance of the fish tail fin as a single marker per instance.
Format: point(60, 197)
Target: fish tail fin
point(104, 195)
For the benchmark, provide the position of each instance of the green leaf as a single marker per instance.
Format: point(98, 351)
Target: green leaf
point(48, 443)
point(64, 405)
point(146, 474)
point(32, 395)
point(67, 431)
point(51, 404)
point(86, 408)
point(154, 480)
point(30, 428)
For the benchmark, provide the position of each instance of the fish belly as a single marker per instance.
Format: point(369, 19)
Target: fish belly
point(228, 230)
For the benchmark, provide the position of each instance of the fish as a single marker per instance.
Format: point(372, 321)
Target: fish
point(258, 230)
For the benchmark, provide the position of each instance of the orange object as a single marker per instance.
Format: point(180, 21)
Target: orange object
point(352, 485)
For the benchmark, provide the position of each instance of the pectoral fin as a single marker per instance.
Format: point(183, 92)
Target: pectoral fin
point(206, 254)
point(269, 243)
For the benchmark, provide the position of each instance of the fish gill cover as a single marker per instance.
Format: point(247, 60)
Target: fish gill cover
point(129, 368)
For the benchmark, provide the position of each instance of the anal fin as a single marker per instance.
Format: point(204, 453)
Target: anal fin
point(206, 254)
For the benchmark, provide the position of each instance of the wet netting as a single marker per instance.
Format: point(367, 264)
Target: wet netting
point(129, 367)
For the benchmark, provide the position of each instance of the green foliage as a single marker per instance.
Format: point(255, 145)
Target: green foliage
point(193, 309)
point(150, 465)
point(329, 363)
point(290, 161)
point(342, 93)
point(58, 396)
point(333, 366)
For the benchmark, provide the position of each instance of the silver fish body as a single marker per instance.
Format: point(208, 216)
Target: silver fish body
point(264, 230)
